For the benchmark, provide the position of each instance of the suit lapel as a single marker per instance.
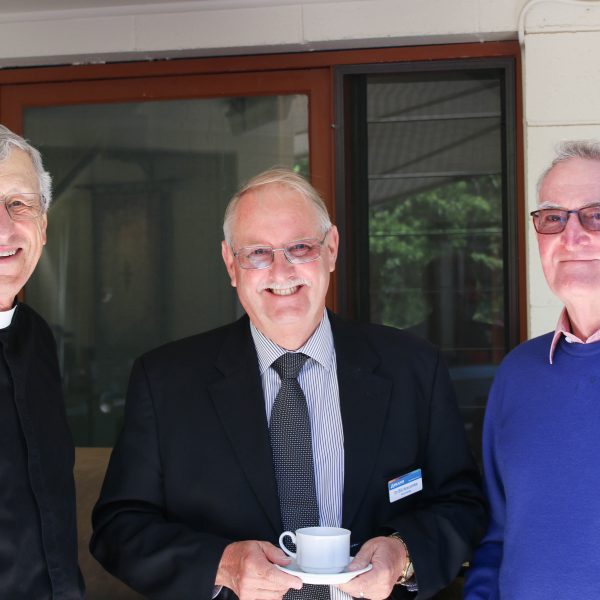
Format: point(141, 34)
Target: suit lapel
point(239, 401)
point(364, 400)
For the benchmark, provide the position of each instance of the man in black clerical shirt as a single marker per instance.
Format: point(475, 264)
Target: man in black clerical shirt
point(38, 537)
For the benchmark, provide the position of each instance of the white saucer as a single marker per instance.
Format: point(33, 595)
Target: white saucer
point(323, 578)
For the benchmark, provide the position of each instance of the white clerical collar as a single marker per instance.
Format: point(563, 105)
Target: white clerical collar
point(6, 317)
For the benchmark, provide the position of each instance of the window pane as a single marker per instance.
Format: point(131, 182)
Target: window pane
point(435, 236)
point(133, 257)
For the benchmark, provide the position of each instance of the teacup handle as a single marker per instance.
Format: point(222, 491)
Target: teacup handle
point(292, 535)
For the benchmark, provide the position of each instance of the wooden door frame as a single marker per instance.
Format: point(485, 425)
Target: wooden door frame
point(24, 87)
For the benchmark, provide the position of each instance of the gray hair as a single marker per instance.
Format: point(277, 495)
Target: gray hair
point(9, 141)
point(587, 149)
point(276, 176)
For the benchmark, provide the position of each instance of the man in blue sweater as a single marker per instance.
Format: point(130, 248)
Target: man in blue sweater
point(541, 440)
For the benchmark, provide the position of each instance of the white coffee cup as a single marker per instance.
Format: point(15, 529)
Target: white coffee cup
point(319, 549)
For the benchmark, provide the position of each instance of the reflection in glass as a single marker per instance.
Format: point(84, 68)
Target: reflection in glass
point(133, 258)
point(435, 185)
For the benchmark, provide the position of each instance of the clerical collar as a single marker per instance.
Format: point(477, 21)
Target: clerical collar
point(6, 317)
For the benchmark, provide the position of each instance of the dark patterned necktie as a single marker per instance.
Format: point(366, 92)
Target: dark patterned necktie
point(291, 443)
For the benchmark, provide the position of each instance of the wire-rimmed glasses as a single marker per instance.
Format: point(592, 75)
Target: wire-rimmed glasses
point(296, 252)
point(23, 206)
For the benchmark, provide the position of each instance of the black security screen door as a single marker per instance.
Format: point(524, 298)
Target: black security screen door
point(430, 209)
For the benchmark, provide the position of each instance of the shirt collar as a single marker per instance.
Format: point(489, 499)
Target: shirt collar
point(563, 327)
point(319, 346)
point(6, 317)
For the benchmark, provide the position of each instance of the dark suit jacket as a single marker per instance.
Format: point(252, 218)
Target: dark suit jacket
point(192, 470)
point(31, 357)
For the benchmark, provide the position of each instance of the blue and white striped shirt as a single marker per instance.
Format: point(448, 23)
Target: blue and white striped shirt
point(318, 380)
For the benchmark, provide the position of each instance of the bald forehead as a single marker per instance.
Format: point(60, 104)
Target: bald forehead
point(273, 203)
point(575, 179)
point(574, 171)
point(272, 192)
point(273, 197)
point(17, 172)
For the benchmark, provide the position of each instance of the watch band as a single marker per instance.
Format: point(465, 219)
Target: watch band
point(408, 571)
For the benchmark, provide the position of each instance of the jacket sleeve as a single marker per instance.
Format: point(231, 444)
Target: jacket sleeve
point(133, 537)
point(482, 577)
point(450, 516)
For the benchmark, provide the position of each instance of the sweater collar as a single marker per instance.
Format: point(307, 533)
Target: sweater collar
point(563, 328)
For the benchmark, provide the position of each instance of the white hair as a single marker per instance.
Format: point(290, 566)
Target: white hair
point(276, 176)
point(9, 141)
point(587, 149)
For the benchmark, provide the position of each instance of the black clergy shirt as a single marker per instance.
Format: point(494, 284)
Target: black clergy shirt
point(38, 530)
point(23, 570)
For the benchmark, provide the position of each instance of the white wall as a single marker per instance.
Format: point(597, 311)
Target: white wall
point(561, 41)
point(211, 27)
point(562, 88)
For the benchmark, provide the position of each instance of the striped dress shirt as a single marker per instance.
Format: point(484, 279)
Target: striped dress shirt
point(318, 380)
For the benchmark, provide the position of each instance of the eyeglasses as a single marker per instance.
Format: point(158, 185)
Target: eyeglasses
point(554, 220)
point(297, 252)
point(23, 206)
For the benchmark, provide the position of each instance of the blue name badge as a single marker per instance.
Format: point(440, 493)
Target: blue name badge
point(405, 485)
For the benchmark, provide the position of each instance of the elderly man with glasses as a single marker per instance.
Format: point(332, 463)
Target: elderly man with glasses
point(541, 436)
point(38, 538)
point(290, 417)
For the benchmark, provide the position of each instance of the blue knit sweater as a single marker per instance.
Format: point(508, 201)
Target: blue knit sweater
point(541, 446)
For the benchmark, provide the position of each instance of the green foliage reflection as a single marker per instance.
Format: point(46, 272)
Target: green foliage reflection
point(436, 262)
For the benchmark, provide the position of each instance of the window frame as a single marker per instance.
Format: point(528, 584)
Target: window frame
point(352, 216)
point(324, 123)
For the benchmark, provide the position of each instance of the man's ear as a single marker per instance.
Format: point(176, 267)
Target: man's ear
point(331, 244)
point(229, 260)
point(43, 226)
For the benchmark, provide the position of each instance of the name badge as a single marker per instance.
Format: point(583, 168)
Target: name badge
point(405, 485)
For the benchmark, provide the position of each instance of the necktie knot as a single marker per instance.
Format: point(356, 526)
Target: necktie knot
point(288, 365)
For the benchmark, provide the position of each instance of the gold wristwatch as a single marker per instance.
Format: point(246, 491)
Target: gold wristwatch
point(408, 572)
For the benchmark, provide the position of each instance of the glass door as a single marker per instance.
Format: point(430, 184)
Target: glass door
point(432, 212)
point(133, 258)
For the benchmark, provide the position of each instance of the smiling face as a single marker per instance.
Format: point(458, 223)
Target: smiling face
point(285, 301)
point(571, 259)
point(21, 242)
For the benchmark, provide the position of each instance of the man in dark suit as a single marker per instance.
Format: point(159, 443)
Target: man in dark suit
point(38, 537)
point(195, 497)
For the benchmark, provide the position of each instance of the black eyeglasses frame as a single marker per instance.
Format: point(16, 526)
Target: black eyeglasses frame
point(564, 218)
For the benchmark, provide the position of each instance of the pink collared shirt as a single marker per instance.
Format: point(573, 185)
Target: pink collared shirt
point(563, 327)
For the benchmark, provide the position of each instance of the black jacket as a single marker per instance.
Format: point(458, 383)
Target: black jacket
point(30, 353)
point(192, 470)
